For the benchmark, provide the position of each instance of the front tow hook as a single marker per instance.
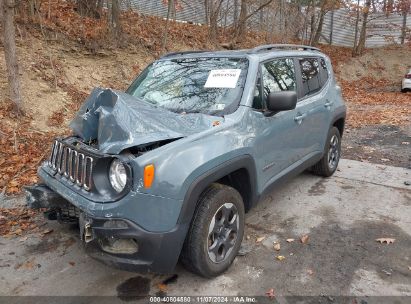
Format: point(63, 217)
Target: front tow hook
point(86, 232)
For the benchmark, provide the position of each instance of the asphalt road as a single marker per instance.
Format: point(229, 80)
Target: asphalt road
point(342, 216)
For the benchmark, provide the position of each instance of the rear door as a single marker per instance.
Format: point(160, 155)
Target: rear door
point(314, 104)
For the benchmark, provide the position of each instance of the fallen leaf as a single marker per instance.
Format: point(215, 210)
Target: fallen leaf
point(385, 159)
point(277, 246)
point(72, 263)
point(290, 240)
point(270, 293)
point(27, 265)
point(304, 239)
point(47, 231)
point(385, 240)
point(280, 257)
point(405, 143)
point(260, 239)
point(310, 271)
point(409, 268)
point(162, 287)
point(247, 237)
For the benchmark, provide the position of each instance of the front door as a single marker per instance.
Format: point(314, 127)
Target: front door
point(278, 135)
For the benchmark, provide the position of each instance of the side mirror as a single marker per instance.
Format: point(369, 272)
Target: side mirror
point(281, 101)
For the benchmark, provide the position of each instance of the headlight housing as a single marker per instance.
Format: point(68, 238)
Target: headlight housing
point(117, 175)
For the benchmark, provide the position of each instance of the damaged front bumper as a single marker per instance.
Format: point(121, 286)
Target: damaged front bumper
point(123, 244)
point(114, 240)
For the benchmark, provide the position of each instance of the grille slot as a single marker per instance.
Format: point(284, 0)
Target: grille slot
point(72, 164)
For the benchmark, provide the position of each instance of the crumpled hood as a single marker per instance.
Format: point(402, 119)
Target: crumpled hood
point(119, 121)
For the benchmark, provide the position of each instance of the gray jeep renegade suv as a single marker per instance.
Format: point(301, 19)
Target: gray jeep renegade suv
point(166, 170)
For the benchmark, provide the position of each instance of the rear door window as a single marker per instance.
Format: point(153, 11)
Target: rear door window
point(310, 74)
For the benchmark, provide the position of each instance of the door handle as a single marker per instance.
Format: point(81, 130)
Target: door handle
point(328, 104)
point(299, 118)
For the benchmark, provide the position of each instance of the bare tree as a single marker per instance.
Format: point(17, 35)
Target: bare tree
point(213, 8)
point(170, 7)
point(316, 37)
point(114, 16)
point(90, 8)
point(359, 48)
point(10, 54)
point(245, 15)
point(404, 8)
point(357, 21)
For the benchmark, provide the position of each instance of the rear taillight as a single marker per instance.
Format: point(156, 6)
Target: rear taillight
point(408, 76)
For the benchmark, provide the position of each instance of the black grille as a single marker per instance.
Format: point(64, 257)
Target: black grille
point(72, 164)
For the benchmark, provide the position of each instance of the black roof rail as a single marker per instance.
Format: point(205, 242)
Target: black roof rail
point(182, 53)
point(269, 47)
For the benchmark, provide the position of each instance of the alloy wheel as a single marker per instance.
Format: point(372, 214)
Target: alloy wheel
point(333, 152)
point(223, 232)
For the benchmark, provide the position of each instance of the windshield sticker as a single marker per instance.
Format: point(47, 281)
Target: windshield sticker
point(223, 78)
point(217, 107)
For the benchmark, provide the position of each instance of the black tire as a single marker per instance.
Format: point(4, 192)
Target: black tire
point(196, 255)
point(324, 166)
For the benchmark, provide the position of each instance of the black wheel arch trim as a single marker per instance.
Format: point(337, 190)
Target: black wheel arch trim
point(337, 117)
point(203, 181)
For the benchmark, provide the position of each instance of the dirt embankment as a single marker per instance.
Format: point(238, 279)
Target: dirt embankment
point(381, 64)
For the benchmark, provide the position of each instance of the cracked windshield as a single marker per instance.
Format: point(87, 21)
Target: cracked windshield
point(202, 85)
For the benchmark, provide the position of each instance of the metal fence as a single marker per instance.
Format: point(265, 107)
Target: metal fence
point(338, 29)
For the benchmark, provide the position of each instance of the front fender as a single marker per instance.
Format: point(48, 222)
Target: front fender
point(204, 180)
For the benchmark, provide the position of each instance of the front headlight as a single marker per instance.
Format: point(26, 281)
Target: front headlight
point(117, 175)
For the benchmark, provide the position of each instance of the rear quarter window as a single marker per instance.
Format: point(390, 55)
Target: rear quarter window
point(323, 72)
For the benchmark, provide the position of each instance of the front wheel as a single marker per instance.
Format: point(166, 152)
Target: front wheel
point(332, 153)
point(216, 232)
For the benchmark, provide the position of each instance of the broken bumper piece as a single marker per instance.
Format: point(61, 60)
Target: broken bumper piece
point(57, 208)
point(115, 241)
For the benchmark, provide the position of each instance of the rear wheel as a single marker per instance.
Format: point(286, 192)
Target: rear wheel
point(216, 232)
point(332, 153)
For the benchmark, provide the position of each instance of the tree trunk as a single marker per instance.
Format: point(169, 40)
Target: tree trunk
point(89, 8)
point(261, 18)
point(115, 18)
point(404, 26)
point(357, 21)
point(363, 34)
point(319, 30)
point(241, 29)
point(332, 26)
point(9, 41)
point(214, 12)
point(169, 8)
point(207, 12)
point(242, 23)
point(313, 22)
point(235, 13)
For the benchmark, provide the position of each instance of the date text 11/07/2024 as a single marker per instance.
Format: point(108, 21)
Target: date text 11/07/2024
point(203, 299)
